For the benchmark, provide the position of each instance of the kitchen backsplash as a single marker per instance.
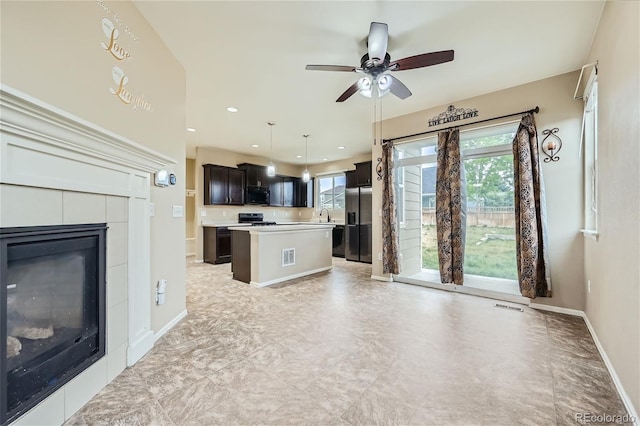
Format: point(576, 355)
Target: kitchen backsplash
point(277, 214)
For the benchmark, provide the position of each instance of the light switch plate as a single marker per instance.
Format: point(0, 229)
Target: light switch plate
point(178, 211)
point(152, 209)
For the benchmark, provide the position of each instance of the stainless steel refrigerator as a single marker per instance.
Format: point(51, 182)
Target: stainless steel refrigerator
point(358, 219)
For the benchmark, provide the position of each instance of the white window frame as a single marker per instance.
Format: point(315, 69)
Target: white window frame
point(589, 148)
point(467, 154)
point(333, 176)
point(401, 211)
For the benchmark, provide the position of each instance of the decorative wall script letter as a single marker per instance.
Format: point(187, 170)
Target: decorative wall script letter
point(112, 33)
point(125, 96)
point(121, 80)
point(453, 114)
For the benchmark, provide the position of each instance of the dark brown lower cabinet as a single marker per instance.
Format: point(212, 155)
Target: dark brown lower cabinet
point(241, 265)
point(217, 245)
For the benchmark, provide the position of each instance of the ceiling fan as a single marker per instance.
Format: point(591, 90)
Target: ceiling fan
point(376, 64)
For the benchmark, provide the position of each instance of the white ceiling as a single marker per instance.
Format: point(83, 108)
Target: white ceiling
point(252, 55)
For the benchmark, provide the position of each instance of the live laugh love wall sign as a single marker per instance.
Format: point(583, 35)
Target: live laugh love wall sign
point(112, 26)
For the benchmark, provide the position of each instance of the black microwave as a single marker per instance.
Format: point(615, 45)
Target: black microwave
point(257, 195)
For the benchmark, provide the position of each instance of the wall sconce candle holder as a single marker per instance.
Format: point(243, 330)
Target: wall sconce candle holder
point(379, 170)
point(551, 145)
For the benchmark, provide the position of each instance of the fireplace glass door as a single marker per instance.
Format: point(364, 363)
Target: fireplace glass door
point(53, 312)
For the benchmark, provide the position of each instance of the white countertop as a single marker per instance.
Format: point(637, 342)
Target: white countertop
point(235, 224)
point(298, 226)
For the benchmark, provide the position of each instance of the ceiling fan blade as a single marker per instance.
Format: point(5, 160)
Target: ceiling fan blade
point(330, 68)
point(377, 41)
point(420, 61)
point(348, 93)
point(398, 88)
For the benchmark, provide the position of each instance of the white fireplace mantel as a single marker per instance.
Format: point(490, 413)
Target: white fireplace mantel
point(45, 147)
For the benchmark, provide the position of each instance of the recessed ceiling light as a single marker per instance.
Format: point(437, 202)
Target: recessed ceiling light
point(298, 156)
point(190, 129)
point(232, 109)
point(254, 145)
point(324, 159)
point(341, 147)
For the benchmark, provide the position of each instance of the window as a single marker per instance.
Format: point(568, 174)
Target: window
point(490, 249)
point(590, 146)
point(331, 192)
point(400, 196)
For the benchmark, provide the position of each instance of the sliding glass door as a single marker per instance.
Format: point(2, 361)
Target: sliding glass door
point(490, 251)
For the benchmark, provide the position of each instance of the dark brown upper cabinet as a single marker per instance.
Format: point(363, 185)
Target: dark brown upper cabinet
point(363, 173)
point(351, 178)
point(255, 175)
point(223, 185)
point(303, 193)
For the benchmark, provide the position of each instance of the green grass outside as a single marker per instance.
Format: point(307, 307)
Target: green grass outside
point(485, 257)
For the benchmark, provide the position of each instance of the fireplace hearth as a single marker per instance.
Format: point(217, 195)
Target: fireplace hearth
point(52, 310)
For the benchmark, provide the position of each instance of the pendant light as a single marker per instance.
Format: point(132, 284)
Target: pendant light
point(305, 174)
point(271, 168)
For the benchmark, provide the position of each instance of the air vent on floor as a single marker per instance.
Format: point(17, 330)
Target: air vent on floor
point(288, 257)
point(513, 308)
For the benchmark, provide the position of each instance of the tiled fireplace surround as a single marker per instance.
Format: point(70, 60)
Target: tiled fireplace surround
point(57, 169)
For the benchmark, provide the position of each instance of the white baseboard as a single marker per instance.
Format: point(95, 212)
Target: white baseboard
point(382, 278)
point(289, 277)
point(556, 309)
point(198, 260)
point(616, 380)
point(139, 348)
point(612, 371)
point(169, 325)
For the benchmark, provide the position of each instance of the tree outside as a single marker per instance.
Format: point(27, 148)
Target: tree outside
point(490, 238)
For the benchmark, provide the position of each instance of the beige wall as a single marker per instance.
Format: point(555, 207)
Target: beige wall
point(563, 181)
point(52, 51)
point(611, 262)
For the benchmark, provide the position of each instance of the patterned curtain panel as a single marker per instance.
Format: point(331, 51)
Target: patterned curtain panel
point(450, 207)
point(390, 264)
point(529, 212)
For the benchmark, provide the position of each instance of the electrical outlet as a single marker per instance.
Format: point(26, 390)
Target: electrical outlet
point(152, 209)
point(224, 212)
point(299, 214)
point(379, 256)
point(588, 286)
point(203, 213)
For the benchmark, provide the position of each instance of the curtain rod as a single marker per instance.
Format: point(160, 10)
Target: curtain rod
point(534, 110)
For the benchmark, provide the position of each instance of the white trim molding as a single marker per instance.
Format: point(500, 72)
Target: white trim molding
point(45, 147)
point(169, 325)
point(605, 358)
point(388, 278)
point(289, 277)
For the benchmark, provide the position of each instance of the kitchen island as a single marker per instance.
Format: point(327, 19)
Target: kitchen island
point(266, 255)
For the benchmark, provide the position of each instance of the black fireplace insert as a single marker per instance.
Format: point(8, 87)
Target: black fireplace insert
point(52, 310)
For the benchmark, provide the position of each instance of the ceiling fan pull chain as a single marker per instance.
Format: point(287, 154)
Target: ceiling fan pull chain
point(374, 122)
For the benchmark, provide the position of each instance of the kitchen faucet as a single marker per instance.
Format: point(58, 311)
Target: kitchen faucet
point(328, 217)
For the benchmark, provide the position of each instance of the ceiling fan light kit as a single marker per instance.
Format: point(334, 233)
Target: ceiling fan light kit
point(376, 65)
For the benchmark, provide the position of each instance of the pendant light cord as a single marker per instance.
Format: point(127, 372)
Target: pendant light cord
point(271, 131)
